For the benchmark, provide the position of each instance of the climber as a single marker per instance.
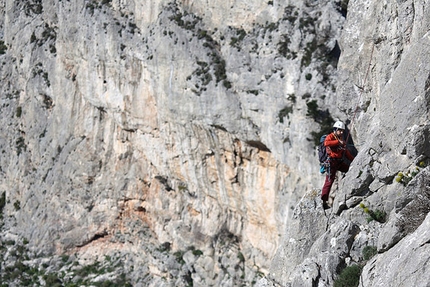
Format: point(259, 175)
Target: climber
point(336, 149)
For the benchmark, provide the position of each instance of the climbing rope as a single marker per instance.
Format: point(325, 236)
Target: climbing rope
point(356, 109)
point(361, 93)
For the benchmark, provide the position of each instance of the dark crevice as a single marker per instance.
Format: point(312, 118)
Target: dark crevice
point(427, 91)
point(130, 130)
point(315, 282)
point(329, 211)
point(141, 209)
point(341, 208)
point(164, 182)
point(343, 7)
point(96, 237)
point(219, 127)
point(427, 242)
point(259, 145)
point(334, 55)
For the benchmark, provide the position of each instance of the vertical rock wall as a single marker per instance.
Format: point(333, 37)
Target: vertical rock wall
point(189, 127)
point(381, 204)
point(145, 126)
point(179, 136)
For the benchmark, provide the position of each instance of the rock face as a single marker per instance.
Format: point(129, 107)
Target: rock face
point(179, 137)
point(384, 81)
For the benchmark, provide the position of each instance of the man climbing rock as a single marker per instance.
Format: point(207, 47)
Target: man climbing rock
point(337, 154)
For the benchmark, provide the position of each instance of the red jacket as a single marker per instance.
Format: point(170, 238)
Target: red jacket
point(335, 149)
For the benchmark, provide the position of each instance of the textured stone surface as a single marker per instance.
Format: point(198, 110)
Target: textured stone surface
point(388, 102)
point(176, 122)
point(400, 268)
point(178, 136)
point(308, 223)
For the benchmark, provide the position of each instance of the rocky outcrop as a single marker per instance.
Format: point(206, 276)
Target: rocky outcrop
point(177, 139)
point(381, 204)
point(173, 125)
point(404, 268)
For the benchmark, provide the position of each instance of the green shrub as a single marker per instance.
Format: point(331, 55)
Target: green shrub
point(283, 47)
point(33, 38)
point(292, 98)
point(20, 145)
point(378, 215)
point(33, 7)
point(197, 252)
point(2, 201)
point(49, 33)
point(344, 5)
point(308, 51)
point(241, 33)
point(254, 92)
point(3, 48)
point(405, 178)
point(241, 256)
point(271, 26)
point(227, 84)
point(52, 280)
point(179, 257)
point(18, 111)
point(52, 49)
point(349, 277)
point(165, 247)
point(369, 252)
point(320, 116)
point(65, 258)
point(17, 205)
point(91, 7)
point(284, 112)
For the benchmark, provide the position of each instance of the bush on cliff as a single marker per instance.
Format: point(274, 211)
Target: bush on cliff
point(349, 277)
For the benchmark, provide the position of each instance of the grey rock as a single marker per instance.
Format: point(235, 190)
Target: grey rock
point(309, 222)
point(403, 269)
point(149, 129)
point(265, 282)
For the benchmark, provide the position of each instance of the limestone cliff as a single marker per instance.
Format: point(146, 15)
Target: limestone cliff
point(175, 140)
point(382, 204)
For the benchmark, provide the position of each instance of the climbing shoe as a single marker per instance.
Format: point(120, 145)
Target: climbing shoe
point(325, 205)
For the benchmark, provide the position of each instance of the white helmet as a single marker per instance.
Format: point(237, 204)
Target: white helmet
point(339, 125)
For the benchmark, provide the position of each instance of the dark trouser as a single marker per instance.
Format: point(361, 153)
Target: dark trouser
point(335, 165)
